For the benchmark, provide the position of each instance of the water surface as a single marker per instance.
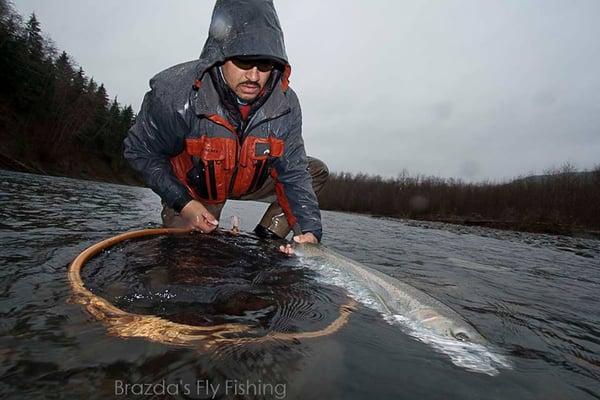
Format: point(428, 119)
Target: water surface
point(534, 297)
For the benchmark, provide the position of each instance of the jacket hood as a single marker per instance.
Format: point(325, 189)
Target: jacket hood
point(243, 28)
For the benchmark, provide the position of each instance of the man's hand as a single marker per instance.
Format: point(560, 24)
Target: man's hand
point(198, 217)
point(307, 237)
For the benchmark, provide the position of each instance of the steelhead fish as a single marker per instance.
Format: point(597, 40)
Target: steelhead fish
point(398, 297)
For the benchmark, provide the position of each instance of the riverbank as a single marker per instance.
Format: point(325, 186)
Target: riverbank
point(86, 166)
point(562, 201)
point(514, 225)
point(100, 170)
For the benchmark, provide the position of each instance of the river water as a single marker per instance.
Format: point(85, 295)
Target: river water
point(533, 297)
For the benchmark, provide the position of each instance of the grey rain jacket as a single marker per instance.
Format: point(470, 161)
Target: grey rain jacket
point(173, 110)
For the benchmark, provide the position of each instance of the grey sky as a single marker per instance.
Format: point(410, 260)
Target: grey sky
point(455, 88)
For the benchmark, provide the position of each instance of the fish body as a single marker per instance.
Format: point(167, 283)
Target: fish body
point(398, 297)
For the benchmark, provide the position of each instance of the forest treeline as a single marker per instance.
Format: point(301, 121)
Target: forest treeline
point(56, 120)
point(562, 200)
point(53, 118)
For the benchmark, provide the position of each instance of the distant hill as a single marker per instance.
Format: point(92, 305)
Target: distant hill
point(53, 118)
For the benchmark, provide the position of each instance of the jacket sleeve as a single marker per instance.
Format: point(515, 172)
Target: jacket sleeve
point(294, 178)
point(156, 136)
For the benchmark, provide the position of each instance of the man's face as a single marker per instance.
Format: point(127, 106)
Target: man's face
point(247, 78)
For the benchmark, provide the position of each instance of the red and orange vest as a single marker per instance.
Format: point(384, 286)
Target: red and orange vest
point(214, 169)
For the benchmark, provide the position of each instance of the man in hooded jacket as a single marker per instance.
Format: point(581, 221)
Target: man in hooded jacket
point(228, 126)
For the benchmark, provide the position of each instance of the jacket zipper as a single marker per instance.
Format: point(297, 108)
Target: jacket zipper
point(238, 149)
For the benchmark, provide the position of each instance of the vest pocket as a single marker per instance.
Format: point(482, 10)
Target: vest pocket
point(196, 178)
point(213, 160)
point(255, 157)
point(261, 175)
point(213, 180)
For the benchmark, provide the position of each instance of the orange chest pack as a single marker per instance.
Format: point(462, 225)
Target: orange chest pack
point(216, 167)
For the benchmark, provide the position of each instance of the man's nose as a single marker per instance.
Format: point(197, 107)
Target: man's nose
point(252, 74)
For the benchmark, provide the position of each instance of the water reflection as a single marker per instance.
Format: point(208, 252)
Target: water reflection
point(205, 280)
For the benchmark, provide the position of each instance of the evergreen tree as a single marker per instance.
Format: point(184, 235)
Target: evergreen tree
point(33, 71)
point(49, 109)
point(79, 82)
point(64, 70)
point(102, 97)
point(114, 110)
point(33, 37)
point(92, 87)
point(127, 119)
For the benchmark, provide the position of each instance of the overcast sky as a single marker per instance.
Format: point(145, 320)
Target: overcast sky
point(469, 89)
